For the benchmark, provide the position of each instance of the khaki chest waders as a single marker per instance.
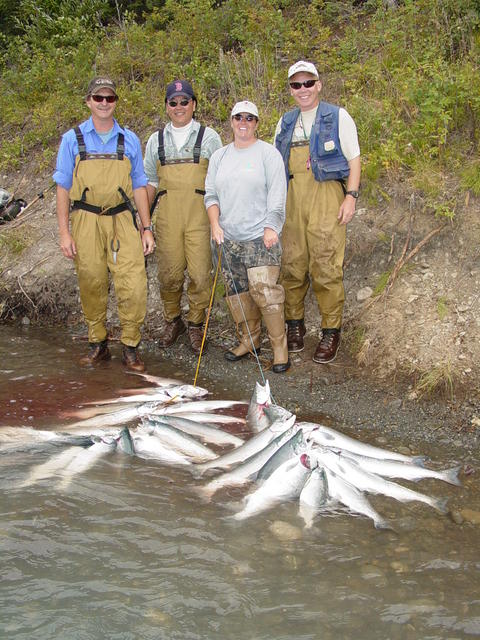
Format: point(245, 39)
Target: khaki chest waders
point(313, 242)
point(107, 241)
point(182, 230)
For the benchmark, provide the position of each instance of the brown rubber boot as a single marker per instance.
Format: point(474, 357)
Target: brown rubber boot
point(131, 360)
point(275, 323)
point(171, 331)
point(247, 321)
point(98, 352)
point(269, 297)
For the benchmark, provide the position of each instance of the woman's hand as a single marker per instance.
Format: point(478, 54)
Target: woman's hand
point(270, 237)
point(217, 233)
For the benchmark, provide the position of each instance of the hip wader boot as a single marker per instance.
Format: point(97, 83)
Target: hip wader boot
point(269, 297)
point(248, 320)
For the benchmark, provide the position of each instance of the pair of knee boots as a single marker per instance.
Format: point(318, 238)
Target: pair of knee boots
point(264, 299)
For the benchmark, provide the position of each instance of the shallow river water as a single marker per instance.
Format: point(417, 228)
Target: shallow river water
point(129, 551)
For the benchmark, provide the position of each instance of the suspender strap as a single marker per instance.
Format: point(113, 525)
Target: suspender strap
point(161, 147)
point(198, 145)
point(82, 149)
point(120, 146)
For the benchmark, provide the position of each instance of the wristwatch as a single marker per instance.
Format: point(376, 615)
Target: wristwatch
point(354, 194)
point(149, 228)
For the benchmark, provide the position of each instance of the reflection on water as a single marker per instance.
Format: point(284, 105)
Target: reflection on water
point(128, 551)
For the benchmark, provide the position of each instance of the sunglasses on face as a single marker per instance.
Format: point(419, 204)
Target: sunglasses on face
point(240, 116)
point(109, 99)
point(174, 103)
point(306, 83)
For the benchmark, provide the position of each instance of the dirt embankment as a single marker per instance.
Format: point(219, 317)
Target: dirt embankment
point(412, 315)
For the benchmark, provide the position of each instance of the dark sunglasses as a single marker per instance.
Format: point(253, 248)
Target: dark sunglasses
point(306, 83)
point(240, 116)
point(174, 103)
point(109, 99)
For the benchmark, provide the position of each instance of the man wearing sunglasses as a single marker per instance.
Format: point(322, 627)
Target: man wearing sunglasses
point(176, 163)
point(100, 176)
point(319, 145)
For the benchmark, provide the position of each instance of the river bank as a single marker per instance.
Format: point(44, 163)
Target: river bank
point(409, 362)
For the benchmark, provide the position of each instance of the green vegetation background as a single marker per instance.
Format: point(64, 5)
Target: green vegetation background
point(407, 72)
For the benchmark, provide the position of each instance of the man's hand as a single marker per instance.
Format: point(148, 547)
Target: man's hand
point(347, 210)
point(148, 242)
point(67, 245)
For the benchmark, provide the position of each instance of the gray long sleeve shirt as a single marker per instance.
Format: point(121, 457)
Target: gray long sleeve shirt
point(249, 186)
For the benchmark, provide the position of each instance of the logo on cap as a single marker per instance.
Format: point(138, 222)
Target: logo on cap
point(178, 86)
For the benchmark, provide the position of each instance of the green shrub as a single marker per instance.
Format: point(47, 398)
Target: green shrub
point(406, 74)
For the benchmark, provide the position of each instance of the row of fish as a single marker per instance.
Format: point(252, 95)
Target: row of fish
point(283, 460)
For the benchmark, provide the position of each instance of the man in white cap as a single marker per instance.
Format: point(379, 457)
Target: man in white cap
point(176, 162)
point(319, 145)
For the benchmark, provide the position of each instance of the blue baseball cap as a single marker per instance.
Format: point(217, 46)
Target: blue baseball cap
point(179, 88)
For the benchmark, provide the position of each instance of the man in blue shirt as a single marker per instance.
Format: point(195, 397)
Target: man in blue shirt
point(100, 177)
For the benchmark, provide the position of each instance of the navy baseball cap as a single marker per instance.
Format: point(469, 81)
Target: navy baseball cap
point(179, 88)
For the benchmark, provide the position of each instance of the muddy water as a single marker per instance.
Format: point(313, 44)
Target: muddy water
point(128, 551)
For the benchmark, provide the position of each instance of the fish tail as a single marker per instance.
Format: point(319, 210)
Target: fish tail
point(419, 460)
point(197, 471)
point(451, 476)
point(383, 524)
point(205, 492)
point(441, 504)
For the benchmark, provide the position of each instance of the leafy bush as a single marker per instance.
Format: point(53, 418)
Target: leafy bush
point(404, 73)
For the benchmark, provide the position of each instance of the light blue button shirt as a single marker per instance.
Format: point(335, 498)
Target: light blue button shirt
point(68, 151)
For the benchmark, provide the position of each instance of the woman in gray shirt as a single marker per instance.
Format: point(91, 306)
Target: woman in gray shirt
point(245, 194)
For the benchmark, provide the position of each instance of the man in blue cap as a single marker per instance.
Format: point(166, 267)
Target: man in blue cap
point(176, 162)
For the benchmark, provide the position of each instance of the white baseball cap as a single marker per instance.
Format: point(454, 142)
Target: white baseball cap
point(302, 65)
point(244, 107)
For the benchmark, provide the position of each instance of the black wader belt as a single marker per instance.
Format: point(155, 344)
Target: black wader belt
point(86, 206)
point(156, 199)
point(129, 206)
point(197, 148)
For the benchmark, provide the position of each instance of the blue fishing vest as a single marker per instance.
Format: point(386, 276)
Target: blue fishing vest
point(326, 158)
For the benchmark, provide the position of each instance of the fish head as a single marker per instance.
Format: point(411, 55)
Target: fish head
point(307, 461)
point(274, 412)
point(186, 391)
point(281, 425)
point(148, 407)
